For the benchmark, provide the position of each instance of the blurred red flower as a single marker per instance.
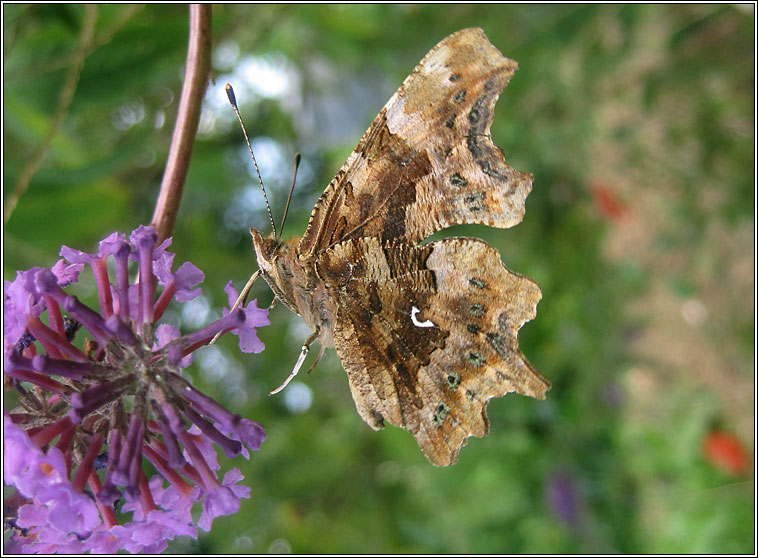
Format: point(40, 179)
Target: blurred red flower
point(725, 452)
point(607, 202)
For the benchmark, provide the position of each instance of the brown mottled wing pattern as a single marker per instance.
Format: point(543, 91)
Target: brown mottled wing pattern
point(427, 162)
point(398, 304)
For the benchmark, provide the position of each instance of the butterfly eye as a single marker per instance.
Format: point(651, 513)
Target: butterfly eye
point(269, 248)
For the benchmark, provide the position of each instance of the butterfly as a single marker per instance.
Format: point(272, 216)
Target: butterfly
point(427, 333)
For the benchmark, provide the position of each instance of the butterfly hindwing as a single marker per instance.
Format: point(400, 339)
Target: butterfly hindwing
point(427, 162)
point(427, 335)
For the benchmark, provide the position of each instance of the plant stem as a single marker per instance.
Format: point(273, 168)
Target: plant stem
point(187, 118)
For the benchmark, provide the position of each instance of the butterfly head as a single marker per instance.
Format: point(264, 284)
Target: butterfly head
point(277, 261)
point(266, 251)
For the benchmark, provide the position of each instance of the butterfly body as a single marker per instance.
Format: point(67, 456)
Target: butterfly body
point(296, 284)
point(427, 333)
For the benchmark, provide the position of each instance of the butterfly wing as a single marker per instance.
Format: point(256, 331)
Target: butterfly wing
point(428, 334)
point(427, 162)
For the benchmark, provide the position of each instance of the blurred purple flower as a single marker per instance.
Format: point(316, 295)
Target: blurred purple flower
point(74, 447)
point(562, 497)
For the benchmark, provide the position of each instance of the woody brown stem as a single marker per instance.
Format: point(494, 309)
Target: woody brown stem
point(187, 118)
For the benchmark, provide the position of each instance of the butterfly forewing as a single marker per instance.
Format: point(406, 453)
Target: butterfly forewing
point(427, 162)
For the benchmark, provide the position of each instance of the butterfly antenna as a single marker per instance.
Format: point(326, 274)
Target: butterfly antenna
point(289, 197)
point(233, 101)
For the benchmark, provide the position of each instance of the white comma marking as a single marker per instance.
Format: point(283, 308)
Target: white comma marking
point(427, 323)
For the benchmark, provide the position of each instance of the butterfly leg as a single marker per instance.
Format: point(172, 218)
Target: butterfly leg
point(318, 358)
point(300, 360)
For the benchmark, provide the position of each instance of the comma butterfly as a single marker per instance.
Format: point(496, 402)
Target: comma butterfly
point(426, 332)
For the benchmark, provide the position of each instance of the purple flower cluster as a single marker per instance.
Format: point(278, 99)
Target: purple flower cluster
point(88, 419)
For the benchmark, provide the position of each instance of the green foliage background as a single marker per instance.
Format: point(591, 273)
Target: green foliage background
point(667, 90)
